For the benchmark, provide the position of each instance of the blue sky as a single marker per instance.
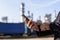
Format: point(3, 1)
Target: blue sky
point(11, 8)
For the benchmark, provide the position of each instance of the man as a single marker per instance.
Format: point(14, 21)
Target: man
point(53, 26)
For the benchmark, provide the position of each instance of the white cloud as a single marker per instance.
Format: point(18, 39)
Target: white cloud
point(52, 2)
point(30, 4)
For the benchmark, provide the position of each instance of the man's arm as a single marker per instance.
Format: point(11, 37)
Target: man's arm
point(33, 25)
point(30, 24)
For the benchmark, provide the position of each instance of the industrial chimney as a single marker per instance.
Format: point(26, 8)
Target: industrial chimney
point(21, 11)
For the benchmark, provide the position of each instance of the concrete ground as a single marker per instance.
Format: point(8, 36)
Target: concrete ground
point(48, 38)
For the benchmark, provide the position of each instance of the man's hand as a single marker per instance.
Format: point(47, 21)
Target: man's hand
point(45, 26)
